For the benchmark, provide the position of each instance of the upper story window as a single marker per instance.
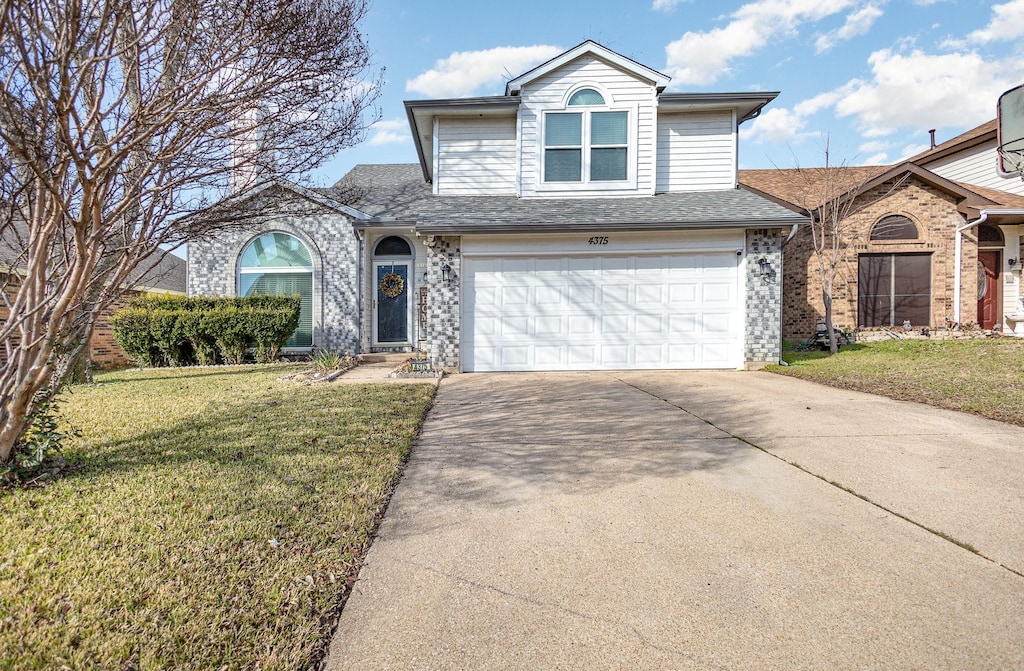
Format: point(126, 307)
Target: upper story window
point(894, 227)
point(589, 145)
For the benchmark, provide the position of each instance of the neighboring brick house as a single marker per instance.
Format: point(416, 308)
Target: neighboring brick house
point(586, 219)
point(160, 275)
point(927, 250)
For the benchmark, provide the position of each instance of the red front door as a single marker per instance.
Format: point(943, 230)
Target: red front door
point(988, 289)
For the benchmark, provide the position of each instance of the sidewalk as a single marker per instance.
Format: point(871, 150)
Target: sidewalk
point(378, 367)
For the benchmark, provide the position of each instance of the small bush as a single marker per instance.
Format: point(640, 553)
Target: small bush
point(132, 332)
point(178, 331)
point(40, 449)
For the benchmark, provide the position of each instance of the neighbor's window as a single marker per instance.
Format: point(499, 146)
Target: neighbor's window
point(894, 288)
point(279, 264)
point(894, 227)
point(590, 145)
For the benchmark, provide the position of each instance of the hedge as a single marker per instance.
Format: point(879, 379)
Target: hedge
point(176, 331)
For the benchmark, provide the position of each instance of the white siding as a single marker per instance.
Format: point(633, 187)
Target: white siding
point(977, 166)
point(696, 152)
point(549, 92)
point(476, 157)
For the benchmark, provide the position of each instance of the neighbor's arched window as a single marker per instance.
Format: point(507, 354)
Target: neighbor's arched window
point(894, 227)
point(279, 264)
point(990, 236)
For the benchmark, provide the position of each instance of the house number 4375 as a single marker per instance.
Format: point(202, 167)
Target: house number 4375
point(598, 240)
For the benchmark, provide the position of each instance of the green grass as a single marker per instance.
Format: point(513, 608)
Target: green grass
point(984, 376)
point(155, 552)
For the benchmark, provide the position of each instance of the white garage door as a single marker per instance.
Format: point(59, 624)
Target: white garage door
point(643, 311)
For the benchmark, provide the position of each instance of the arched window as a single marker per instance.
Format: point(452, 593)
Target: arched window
point(392, 246)
point(990, 236)
point(894, 227)
point(586, 97)
point(279, 264)
point(588, 145)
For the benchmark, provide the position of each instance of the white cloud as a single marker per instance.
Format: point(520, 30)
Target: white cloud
point(906, 93)
point(465, 72)
point(666, 5)
point(858, 22)
point(919, 90)
point(392, 131)
point(881, 158)
point(874, 145)
point(702, 57)
point(776, 125)
point(1007, 23)
point(912, 150)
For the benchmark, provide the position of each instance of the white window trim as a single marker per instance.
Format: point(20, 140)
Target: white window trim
point(586, 185)
point(272, 270)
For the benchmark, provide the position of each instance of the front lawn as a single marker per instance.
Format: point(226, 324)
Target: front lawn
point(213, 520)
point(984, 376)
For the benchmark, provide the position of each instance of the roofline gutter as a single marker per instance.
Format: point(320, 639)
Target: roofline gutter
point(612, 227)
point(958, 253)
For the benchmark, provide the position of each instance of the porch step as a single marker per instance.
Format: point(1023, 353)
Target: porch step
point(395, 358)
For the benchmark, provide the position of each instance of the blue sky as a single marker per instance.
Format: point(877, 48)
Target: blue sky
point(872, 75)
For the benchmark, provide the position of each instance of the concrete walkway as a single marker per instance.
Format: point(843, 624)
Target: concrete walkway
point(694, 521)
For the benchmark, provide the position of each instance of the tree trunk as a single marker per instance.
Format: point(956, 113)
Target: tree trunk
point(833, 345)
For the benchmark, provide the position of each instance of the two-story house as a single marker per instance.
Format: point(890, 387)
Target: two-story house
point(586, 219)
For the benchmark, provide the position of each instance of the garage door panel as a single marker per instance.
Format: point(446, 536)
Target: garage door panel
point(614, 325)
point(649, 355)
point(582, 325)
point(582, 356)
point(650, 294)
point(614, 356)
point(548, 326)
point(548, 296)
point(585, 313)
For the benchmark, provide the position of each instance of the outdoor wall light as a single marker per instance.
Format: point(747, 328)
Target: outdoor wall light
point(446, 274)
point(1011, 262)
point(767, 272)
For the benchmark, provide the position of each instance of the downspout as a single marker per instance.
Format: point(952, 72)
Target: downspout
point(957, 256)
point(958, 253)
point(792, 234)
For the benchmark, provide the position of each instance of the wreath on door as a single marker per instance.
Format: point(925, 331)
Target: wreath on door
point(392, 285)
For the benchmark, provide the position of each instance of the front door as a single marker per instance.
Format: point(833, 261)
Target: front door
point(988, 289)
point(391, 307)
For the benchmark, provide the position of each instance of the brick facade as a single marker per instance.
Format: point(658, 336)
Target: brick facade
point(762, 342)
point(104, 352)
point(333, 246)
point(935, 214)
point(441, 340)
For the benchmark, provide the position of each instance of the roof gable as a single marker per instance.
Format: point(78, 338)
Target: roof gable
point(803, 189)
point(659, 80)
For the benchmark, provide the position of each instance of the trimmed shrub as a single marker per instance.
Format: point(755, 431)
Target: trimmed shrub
point(132, 331)
point(204, 347)
point(177, 331)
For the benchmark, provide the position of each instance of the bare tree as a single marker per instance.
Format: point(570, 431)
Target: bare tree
point(831, 195)
point(122, 120)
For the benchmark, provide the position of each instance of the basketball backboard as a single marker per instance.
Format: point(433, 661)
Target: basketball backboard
point(1010, 113)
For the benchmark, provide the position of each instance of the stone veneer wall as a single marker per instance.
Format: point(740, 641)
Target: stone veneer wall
point(441, 339)
point(936, 217)
point(333, 246)
point(762, 342)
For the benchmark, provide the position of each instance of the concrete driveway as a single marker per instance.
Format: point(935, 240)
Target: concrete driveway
point(694, 521)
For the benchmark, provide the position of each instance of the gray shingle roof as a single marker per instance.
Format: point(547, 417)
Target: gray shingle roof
point(162, 271)
point(399, 192)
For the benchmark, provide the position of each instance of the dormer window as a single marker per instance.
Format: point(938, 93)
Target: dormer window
point(589, 145)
